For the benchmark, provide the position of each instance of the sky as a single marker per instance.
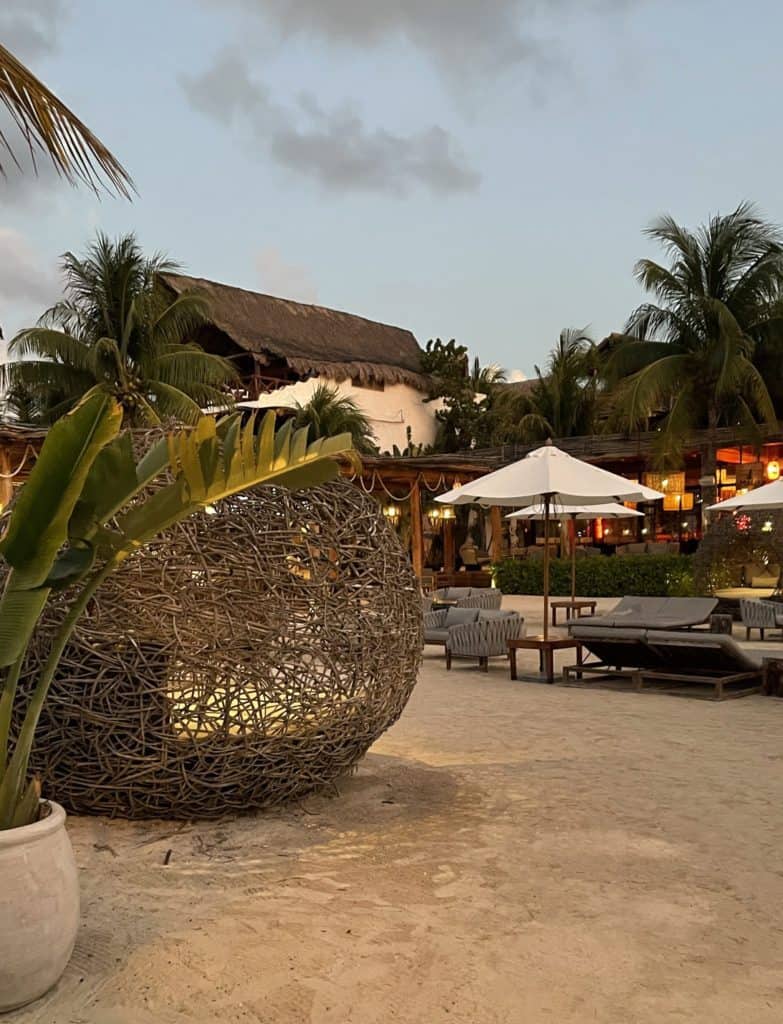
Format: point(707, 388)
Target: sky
point(483, 171)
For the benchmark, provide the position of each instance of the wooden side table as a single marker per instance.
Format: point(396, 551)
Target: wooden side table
point(573, 609)
point(546, 647)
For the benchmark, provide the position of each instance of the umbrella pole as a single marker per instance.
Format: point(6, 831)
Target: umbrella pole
point(546, 566)
point(573, 561)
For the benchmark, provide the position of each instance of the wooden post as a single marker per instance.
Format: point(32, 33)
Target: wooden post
point(573, 558)
point(497, 533)
point(547, 499)
point(449, 561)
point(417, 535)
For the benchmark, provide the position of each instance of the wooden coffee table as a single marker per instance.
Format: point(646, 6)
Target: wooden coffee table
point(546, 647)
point(573, 609)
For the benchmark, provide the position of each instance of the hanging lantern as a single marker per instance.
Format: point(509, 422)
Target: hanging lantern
point(392, 513)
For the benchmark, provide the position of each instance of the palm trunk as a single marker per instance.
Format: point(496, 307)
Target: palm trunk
point(709, 460)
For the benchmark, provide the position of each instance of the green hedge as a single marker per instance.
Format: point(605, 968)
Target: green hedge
point(600, 576)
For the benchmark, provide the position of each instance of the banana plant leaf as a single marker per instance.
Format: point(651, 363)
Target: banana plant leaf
point(38, 528)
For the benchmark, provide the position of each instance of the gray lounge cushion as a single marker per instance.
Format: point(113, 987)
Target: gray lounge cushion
point(655, 613)
point(493, 613)
point(456, 593)
point(436, 636)
point(582, 631)
point(459, 616)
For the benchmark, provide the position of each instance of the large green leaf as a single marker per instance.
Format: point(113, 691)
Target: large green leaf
point(38, 526)
point(111, 482)
point(216, 460)
point(19, 612)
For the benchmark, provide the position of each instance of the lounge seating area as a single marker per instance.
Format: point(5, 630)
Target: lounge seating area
point(655, 642)
point(650, 547)
point(667, 644)
point(761, 577)
point(668, 660)
point(473, 633)
point(468, 597)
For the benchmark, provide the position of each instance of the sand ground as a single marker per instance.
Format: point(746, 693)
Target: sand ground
point(508, 852)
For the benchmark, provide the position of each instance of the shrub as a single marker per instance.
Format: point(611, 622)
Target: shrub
point(642, 575)
point(730, 542)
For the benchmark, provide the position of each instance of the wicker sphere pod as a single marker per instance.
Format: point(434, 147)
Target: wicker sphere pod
point(248, 657)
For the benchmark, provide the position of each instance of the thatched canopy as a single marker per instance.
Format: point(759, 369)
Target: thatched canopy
point(309, 339)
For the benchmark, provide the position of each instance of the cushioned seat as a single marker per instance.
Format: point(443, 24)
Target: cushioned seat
point(437, 624)
point(655, 613)
point(486, 638)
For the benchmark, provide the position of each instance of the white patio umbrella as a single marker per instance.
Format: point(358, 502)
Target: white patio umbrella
point(770, 496)
point(613, 510)
point(546, 476)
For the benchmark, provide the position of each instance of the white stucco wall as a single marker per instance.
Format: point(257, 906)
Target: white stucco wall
point(390, 411)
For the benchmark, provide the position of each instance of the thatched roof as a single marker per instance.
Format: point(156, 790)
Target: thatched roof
point(311, 339)
point(518, 387)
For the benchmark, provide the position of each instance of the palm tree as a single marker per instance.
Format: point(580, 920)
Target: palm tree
point(327, 414)
point(120, 330)
point(49, 126)
point(483, 378)
point(562, 401)
point(688, 356)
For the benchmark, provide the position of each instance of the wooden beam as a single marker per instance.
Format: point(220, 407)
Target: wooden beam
point(417, 535)
point(448, 546)
point(496, 520)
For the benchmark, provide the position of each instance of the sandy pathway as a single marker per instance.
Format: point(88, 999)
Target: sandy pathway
point(508, 853)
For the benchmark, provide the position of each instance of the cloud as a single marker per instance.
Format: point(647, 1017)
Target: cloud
point(25, 280)
point(515, 376)
point(288, 280)
point(462, 36)
point(25, 186)
point(29, 28)
point(335, 147)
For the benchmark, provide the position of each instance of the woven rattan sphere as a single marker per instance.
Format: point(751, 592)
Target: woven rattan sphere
point(248, 657)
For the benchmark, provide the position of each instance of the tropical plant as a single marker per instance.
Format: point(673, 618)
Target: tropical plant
point(563, 399)
point(484, 378)
point(47, 125)
point(118, 329)
point(88, 505)
point(328, 413)
point(687, 357)
point(465, 394)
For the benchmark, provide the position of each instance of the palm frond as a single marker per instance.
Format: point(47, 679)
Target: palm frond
point(47, 125)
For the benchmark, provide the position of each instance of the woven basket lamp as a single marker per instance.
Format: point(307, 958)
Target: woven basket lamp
point(250, 656)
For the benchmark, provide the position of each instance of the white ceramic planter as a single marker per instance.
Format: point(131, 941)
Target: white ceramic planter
point(39, 908)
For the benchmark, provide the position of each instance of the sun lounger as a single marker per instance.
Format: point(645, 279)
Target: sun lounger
point(656, 656)
point(656, 613)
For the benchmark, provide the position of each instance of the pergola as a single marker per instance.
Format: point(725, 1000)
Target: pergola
point(407, 487)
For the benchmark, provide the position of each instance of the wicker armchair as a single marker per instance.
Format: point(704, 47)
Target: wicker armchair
point(471, 597)
point(437, 624)
point(760, 615)
point(488, 599)
point(486, 638)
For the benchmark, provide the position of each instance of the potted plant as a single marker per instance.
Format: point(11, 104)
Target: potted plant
point(86, 507)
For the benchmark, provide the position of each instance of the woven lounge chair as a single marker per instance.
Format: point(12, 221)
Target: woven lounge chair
point(760, 615)
point(437, 624)
point(470, 597)
point(485, 638)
